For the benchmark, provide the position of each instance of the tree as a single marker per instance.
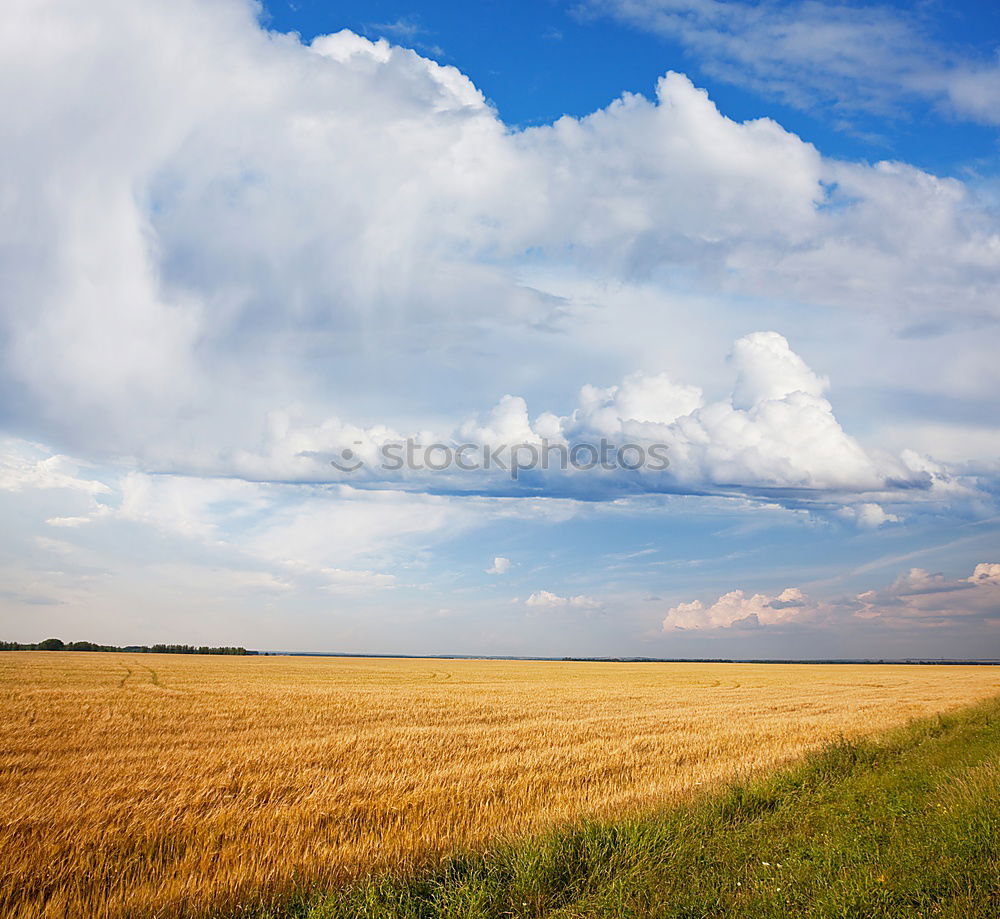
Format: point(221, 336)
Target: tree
point(51, 644)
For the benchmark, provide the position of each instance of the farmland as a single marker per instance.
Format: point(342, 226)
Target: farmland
point(140, 784)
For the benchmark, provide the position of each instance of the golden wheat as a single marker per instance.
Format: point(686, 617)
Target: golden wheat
point(134, 785)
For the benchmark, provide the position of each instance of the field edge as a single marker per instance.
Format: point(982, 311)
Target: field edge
point(907, 823)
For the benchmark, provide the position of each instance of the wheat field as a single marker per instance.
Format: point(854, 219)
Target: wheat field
point(170, 785)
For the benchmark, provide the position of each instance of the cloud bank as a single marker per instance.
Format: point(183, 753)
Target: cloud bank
point(775, 438)
point(198, 232)
point(916, 599)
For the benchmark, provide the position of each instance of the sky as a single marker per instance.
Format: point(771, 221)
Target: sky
point(249, 252)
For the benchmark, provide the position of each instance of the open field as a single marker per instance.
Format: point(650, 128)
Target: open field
point(906, 826)
point(140, 784)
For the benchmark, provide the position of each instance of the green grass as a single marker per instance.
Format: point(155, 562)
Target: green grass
point(908, 826)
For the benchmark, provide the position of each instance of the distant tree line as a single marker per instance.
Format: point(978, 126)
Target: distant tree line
point(55, 644)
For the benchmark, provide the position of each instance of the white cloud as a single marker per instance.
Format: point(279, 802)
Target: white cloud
point(339, 580)
point(645, 399)
point(68, 521)
point(767, 369)
point(501, 565)
point(868, 515)
point(191, 507)
point(507, 422)
point(545, 599)
point(738, 609)
point(775, 437)
point(985, 573)
point(933, 599)
point(25, 466)
point(917, 598)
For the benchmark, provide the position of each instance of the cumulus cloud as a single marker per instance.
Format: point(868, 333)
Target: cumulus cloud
point(868, 515)
point(767, 369)
point(738, 609)
point(639, 398)
point(545, 599)
point(501, 565)
point(917, 598)
point(933, 599)
point(776, 438)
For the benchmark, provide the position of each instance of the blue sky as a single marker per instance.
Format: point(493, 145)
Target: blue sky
point(240, 241)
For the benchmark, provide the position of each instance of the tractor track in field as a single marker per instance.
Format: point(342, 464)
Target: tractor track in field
point(126, 679)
